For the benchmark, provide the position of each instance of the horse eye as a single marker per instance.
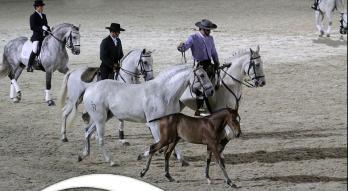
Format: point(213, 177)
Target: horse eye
point(257, 65)
point(145, 62)
point(202, 75)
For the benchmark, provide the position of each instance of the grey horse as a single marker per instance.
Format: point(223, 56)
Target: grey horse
point(134, 64)
point(326, 7)
point(142, 103)
point(53, 56)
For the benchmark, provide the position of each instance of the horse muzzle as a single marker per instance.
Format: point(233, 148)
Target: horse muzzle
point(209, 92)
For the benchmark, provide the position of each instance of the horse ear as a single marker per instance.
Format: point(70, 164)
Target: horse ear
point(251, 50)
point(79, 26)
point(258, 48)
point(144, 51)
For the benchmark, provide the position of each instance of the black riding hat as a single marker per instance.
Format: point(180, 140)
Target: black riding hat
point(206, 24)
point(38, 3)
point(115, 27)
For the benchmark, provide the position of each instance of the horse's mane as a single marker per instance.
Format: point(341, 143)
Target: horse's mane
point(239, 52)
point(64, 25)
point(125, 56)
point(171, 72)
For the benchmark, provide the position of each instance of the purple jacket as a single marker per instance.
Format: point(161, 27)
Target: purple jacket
point(202, 47)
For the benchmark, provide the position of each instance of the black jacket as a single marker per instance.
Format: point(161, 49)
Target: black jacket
point(36, 24)
point(109, 53)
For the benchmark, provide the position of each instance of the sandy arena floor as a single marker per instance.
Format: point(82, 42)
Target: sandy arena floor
point(294, 128)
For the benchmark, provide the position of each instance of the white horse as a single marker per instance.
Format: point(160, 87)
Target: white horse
point(53, 57)
point(133, 65)
point(326, 7)
point(143, 103)
point(244, 63)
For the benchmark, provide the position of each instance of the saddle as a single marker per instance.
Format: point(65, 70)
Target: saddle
point(89, 74)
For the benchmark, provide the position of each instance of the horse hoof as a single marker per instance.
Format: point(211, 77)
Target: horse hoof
point(113, 164)
point(79, 158)
point(125, 143)
point(208, 180)
point(51, 103)
point(65, 140)
point(184, 163)
point(19, 96)
point(328, 35)
point(15, 100)
point(142, 173)
point(170, 178)
point(140, 156)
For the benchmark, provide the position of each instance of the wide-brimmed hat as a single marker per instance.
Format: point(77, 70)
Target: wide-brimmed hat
point(206, 24)
point(115, 27)
point(38, 3)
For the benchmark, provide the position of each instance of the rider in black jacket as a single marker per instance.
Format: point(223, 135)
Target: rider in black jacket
point(39, 26)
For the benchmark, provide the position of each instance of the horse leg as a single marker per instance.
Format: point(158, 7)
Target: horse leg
point(15, 91)
point(121, 134)
point(214, 148)
point(329, 18)
point(167, 154)
point(89, 130)
point(153, 149)
point(100, 133)
point(68, 114)
point(48, 97)
point(208, 160)
point(319, 23)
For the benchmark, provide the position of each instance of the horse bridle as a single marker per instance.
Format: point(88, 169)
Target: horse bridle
point(142, 72)
point(196, 78)
point(252, 65)
point(66, 42)
point(343, 30)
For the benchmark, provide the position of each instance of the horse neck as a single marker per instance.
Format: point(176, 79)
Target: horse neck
point(174, 84)
point(130, 64)
point(237, 68)
point(51, 42)
point(219, 119)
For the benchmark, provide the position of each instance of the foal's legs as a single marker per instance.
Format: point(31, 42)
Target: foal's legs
point(167, 154)
point(156, 135)
point(153, 149)
point(214, 148)
point(207, 166)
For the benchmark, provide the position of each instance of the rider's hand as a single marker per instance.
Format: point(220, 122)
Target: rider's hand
point(181, 46)
point(44, 28)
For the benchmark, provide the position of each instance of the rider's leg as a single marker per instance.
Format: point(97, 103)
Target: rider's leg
point(32, 56)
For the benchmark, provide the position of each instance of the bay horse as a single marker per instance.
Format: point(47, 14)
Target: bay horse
point(142, 103)
point(53, 56)
point(134, 64)
point(208, 131)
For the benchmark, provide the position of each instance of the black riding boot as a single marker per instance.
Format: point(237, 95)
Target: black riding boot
point(31, 62)
point(199, 103)
point(315, 6)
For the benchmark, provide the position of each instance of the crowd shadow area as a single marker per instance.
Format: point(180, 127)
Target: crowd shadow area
point(328, 41)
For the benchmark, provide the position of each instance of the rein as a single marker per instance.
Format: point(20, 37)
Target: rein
point(136, 74)
point(64, 42)
point(246, 83)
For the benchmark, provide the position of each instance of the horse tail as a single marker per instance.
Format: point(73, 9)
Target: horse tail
point(63, 90)
point(4, 67)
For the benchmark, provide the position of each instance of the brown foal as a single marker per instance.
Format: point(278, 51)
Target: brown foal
point(208, 130)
